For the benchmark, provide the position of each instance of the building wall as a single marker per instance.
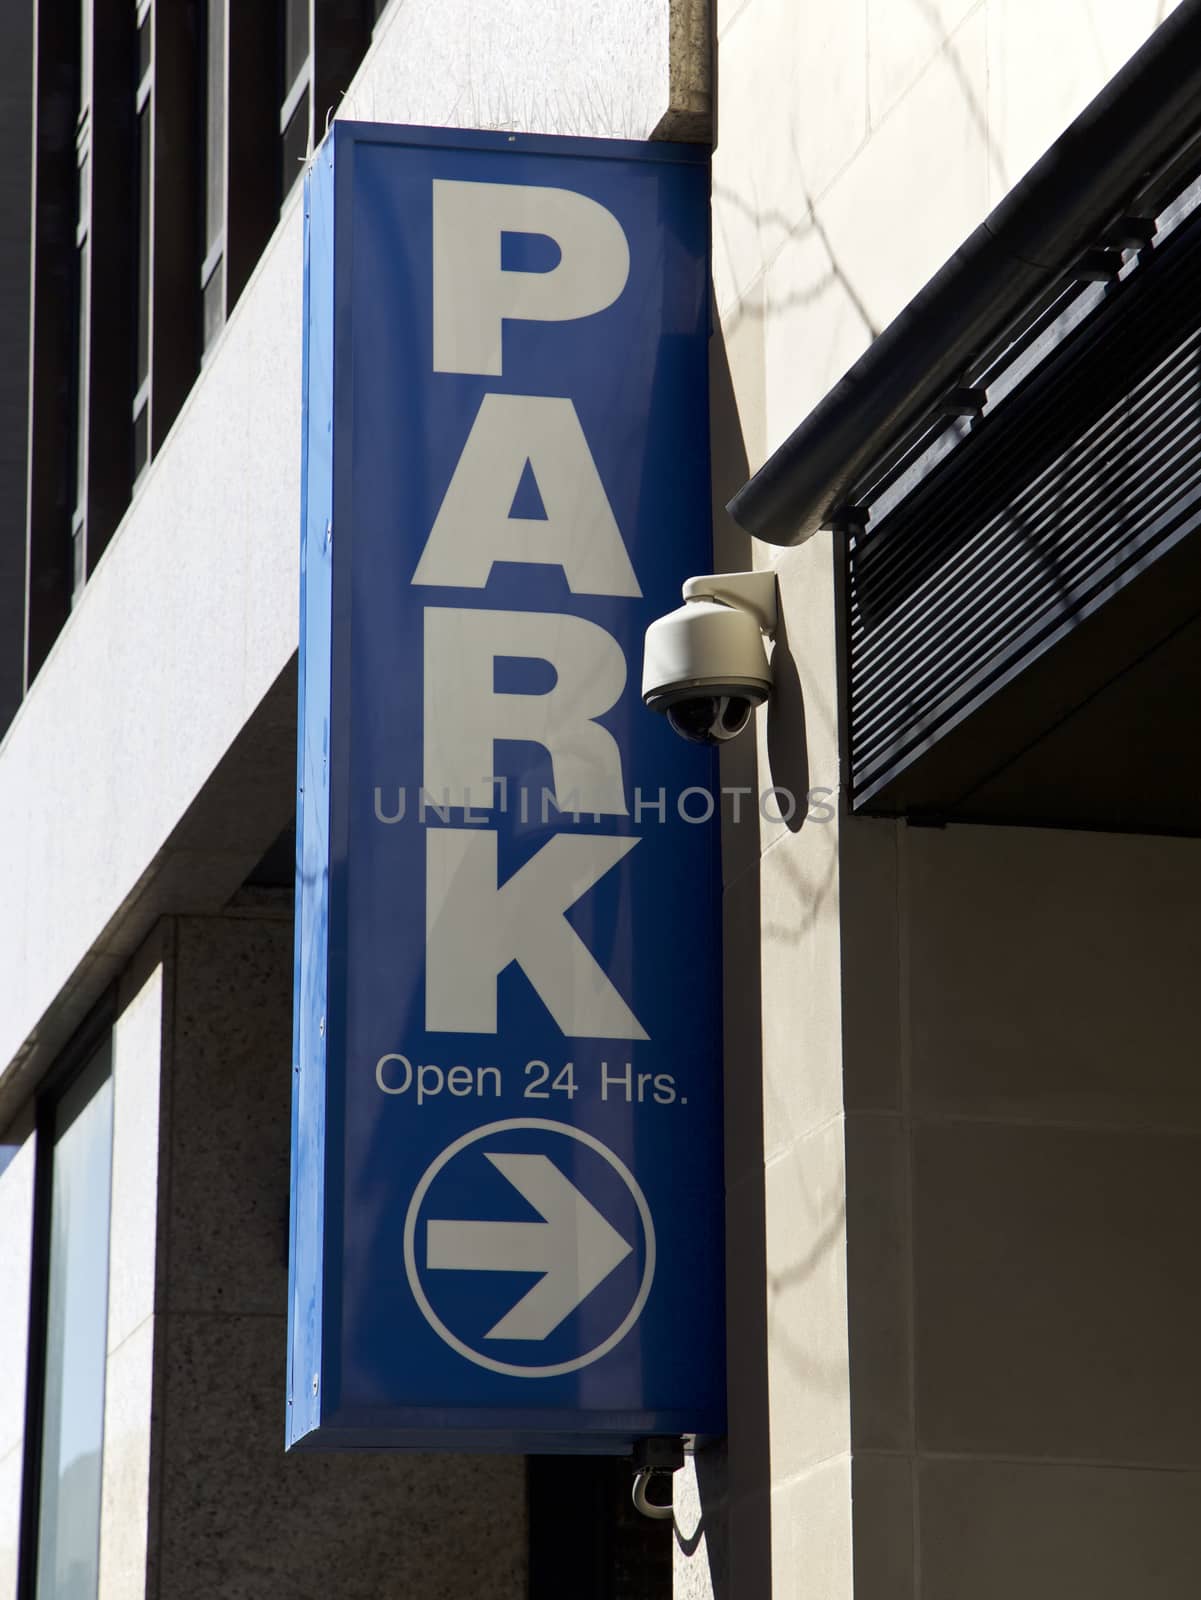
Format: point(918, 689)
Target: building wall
point(855, 147)
point(856, 144)
point(190, 620)
point(149, 768)
point(1024, 1175)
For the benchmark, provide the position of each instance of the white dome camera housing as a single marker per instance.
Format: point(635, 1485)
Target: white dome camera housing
point(705, 666)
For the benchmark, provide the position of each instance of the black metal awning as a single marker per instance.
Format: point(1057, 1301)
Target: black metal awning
point(1022, 615)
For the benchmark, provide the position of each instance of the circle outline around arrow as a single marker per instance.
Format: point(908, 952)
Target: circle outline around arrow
point(508, 1368)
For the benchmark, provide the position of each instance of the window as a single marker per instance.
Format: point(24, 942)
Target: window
point(81, 296)
point(79, 421)
point(294, 110)
point(145, 136)
point(212, 270)
point(78, 1132)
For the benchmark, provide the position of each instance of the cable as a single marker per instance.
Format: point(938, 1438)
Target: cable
point(650, 1508)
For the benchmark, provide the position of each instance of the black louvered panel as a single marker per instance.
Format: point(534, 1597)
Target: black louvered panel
point(1070, 487)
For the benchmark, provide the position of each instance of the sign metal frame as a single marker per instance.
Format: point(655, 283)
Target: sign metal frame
point(345, 1358)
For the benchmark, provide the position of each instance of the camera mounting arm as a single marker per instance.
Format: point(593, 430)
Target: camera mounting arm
point(746, 591)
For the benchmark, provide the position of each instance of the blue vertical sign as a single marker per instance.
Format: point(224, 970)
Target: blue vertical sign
point(507, 1209)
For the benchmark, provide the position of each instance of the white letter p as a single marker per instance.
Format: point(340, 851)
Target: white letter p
point(473, 295)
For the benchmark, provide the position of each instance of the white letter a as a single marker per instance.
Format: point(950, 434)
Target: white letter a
point(474, 526)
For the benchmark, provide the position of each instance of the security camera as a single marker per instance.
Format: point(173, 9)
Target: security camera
point(705, 666)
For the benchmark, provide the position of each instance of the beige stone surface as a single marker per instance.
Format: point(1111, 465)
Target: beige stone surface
point(792, 85)
point(743, 335)
point(802, 1057)
point(1027, 997)
point(920, 184)
point(1052, 975)
point(1058, 1306)
point(879, 1272)
point(882, 1514)
point(726, 12)
point(858, 145)
point(1046, 62)
point(807, 1303)
point(811, 1522)
point(817, 323)
point(872, 954)
point(743, 1030)
point(904, 37)
point(125, 1487)
point(739, 1479)
point(133, 1216)
point(995, 1530)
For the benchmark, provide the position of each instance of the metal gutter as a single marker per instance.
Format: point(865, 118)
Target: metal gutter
point(1089, 179)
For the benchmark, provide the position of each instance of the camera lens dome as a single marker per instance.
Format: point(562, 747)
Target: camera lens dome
point(710, 718)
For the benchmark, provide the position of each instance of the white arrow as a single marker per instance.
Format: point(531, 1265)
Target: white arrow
point(574, 1247)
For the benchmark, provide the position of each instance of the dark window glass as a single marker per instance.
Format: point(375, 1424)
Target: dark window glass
point(141, 438)
point(144, 47)
point(76, 1339)
point(79, 575)
point(214, 140)
point(378, 7)
point(81, 374)
point(143, 286)
point(296, 40)
point(295, 143)
point(85, 54)
point(83, 195)
point(214, 303)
